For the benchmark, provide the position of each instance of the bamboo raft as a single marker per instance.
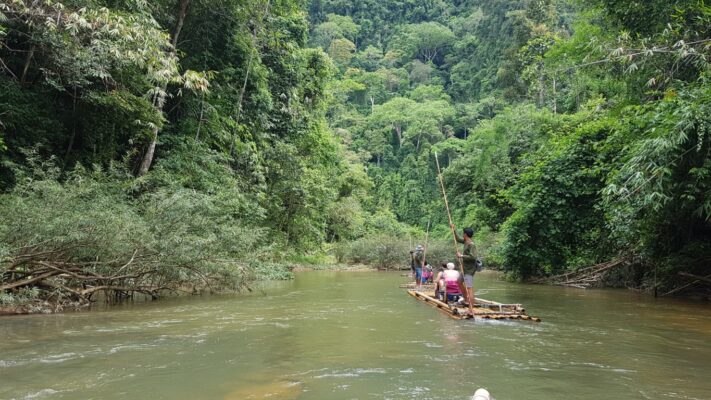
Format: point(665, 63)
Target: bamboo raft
point(483, 309)
point(428, 287)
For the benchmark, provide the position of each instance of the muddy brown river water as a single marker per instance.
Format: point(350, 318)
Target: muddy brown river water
point(355, 335)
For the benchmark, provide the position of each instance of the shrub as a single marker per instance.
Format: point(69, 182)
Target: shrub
point(69, 239)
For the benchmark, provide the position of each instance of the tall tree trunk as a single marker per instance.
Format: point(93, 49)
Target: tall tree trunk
point(555, 98)
point(398, 131)
point(541, 88)
point(150, 152)
point(23, 78)
point(202, 110)
point(148, 156)
point(242, 91)
point(74, 127)
point(182, 12)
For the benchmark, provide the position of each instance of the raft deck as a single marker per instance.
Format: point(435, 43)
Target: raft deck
point(483, 309)
point(427, 287)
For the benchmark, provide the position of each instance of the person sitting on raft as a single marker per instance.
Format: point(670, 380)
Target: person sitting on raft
point(450, 281)
point(439, 281)
point(427, 274)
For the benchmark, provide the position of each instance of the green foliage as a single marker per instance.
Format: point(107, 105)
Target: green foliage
point(267, 271)
point(658, 203)
point(383, 251)
point(426, 41)
point(558, 222)
point(649, 19)
point(168, 238)
point(568, 133)
point(391, 251)
point(245, 171)
point(336, 27)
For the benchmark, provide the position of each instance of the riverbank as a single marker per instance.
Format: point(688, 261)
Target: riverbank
point(29, 300)
point(333, 267)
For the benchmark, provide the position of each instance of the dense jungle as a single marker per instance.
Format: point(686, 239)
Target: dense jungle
point(188, 146)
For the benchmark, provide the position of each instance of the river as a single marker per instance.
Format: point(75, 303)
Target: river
point(354, 335)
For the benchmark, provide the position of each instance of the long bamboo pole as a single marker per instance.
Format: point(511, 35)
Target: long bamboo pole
point(424, 255)
point(451, 227)
point(412, 256)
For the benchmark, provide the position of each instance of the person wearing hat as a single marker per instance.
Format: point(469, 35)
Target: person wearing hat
point(469, 260)
point(418, 258)
point(413, 272)
point(427, 274)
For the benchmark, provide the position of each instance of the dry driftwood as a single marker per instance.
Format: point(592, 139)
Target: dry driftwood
point(698, 278)
point(585, 277)
point(66, 281)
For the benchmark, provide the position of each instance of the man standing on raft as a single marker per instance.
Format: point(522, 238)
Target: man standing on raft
point(469, 260)
point(418, 261)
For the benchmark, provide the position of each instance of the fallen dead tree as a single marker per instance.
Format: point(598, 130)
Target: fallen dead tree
point(585, 277)
point(92, 236)
point(697, 280)
point(53, 279)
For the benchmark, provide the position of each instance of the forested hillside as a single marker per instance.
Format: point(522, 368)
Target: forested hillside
point(185, 144)
point(160, 145)
point(574, 133)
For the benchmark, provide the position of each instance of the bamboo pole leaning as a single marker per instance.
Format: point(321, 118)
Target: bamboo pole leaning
point(424, 254)
point(451, 227)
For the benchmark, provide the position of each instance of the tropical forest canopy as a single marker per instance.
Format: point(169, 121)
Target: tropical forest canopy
point(208, 141)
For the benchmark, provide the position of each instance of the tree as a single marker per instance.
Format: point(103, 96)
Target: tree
point(369, 59)
point(426, 41)
point(341, 51)
point(421, 72)
point(428, 122)
point(396, 113)
point(336, 27)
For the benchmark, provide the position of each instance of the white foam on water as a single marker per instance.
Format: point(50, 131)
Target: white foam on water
point(343, 387)
point(371, 370)
point(197, 335)
point(122, 347)
point(159, 324)
point(338, 375)
point(41, 394)
point(109, 330)
point(8, 363)
point(624, 371)
point(352, 373)
point(308, 372)
point(414, 392)
point(58, 358)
